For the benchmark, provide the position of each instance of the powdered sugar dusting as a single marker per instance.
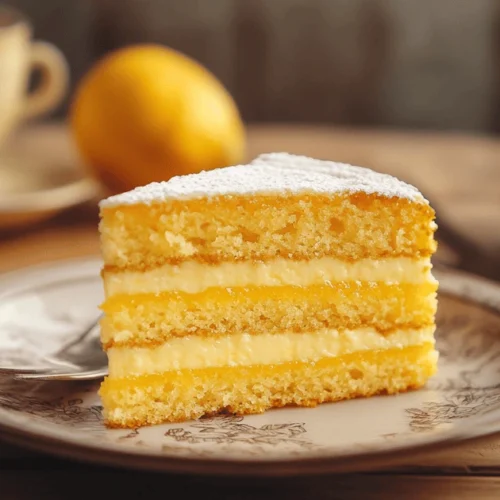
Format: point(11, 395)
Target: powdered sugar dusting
point(271, 173)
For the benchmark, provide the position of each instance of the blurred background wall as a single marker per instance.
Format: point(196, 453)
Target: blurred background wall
point(428, 64)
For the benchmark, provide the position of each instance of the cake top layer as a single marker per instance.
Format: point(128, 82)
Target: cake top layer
point(271, 173)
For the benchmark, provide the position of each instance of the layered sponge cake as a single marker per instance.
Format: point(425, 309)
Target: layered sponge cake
point(288, 281)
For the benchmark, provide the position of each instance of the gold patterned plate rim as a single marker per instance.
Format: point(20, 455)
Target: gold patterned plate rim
point(462, 405)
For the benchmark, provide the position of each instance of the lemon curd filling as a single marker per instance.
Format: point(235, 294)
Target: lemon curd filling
point(194, 352)
point(223, 296)
point(194, 277)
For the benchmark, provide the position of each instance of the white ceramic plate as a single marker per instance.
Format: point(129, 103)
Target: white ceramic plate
point(41, 306)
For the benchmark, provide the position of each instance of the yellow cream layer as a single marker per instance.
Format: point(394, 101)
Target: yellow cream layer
point(195, 277)
point(264, 349)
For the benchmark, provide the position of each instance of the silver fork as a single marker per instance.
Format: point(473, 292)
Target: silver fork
point(82, 358)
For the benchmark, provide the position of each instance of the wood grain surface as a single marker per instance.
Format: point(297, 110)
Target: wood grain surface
point(425, 63)
point(461, 176)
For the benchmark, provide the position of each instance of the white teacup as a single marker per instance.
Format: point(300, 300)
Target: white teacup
point(19, 56)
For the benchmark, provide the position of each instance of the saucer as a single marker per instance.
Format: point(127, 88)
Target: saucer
point(40, 176)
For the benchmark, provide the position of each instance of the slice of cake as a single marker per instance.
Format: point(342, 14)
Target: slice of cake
point(285, 281)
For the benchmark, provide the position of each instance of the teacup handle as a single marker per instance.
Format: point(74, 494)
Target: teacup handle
point(53, 85)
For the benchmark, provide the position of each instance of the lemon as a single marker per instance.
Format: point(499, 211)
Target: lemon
point(146, 113)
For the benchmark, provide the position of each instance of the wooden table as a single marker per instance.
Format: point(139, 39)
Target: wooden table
point(459, 173)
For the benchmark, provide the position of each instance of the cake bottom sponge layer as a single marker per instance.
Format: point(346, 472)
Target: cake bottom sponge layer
point(189, 394)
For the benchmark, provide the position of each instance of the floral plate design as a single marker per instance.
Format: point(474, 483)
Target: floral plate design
point(42, 307)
